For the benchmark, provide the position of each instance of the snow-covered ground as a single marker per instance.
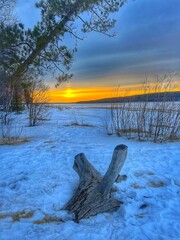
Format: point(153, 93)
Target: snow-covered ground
point(37, 179)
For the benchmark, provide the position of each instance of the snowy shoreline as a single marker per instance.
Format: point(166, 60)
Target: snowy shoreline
point(37, 177)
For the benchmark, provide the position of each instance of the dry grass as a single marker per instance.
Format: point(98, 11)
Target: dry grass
point(14, 141)
point(157, 184)
point(75, 124)
point(136, 186)
point(48, 219)
point(143, 174)
point(17, 216)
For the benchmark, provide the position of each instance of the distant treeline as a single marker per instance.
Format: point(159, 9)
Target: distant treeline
point(151, 97)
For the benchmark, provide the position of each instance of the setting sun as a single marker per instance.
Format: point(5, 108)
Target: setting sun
point(69, 93)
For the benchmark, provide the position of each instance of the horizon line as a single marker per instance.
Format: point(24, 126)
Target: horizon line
point(108, 98)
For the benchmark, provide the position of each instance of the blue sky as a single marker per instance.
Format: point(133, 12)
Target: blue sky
point(146, 43)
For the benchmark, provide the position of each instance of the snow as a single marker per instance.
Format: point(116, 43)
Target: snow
point(37, 177)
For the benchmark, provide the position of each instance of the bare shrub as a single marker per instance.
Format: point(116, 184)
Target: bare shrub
point(36, 105)
point(11, 132)
point(155, 118)
point(122, 116)
point(107, 123)
point(78, 122)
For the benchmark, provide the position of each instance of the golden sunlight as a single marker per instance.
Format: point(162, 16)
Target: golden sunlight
point(69, 93)
point(66, 95)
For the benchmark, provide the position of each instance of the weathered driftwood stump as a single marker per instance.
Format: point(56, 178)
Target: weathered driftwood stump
point(93, 194)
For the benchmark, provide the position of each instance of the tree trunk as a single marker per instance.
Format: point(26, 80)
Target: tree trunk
point(93, 194)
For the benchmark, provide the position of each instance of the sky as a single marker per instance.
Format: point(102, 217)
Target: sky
point(146, 45)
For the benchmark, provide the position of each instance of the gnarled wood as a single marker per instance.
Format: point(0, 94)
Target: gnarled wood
point(93, 194)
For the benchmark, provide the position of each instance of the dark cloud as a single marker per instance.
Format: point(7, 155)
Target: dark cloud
point(147, 42)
